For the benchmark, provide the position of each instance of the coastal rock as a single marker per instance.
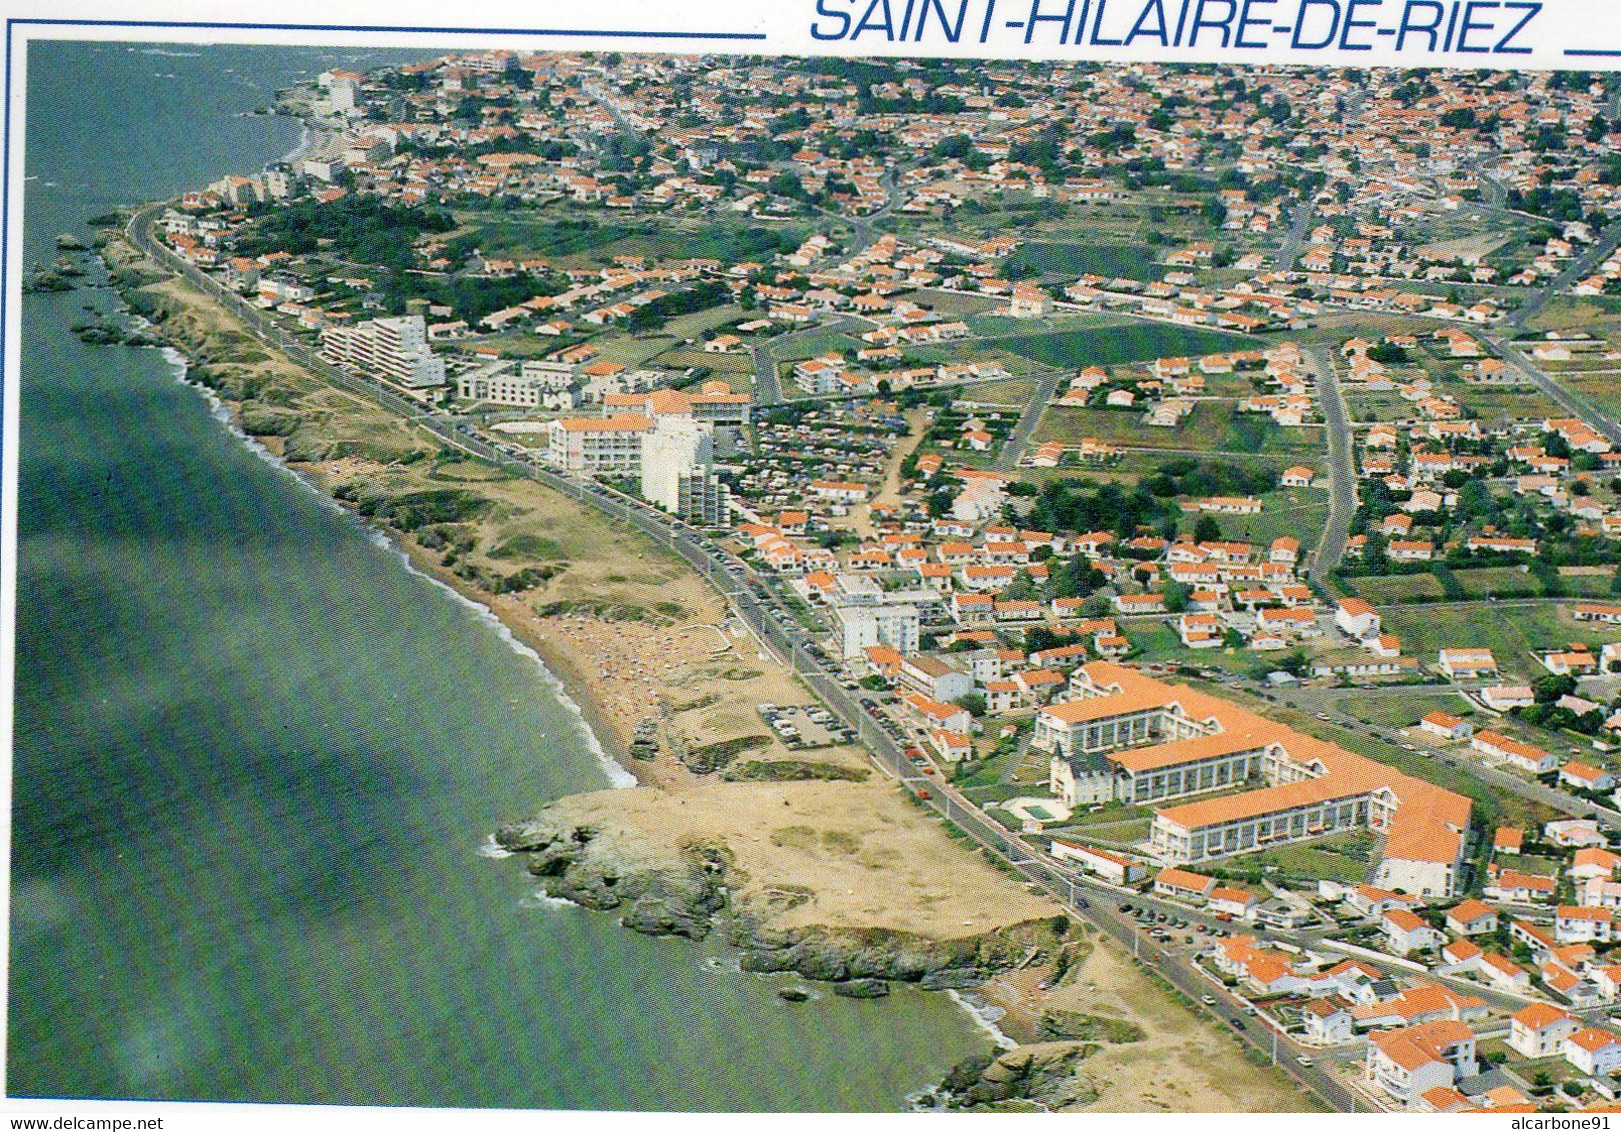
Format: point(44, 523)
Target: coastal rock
point(656, 892)
point(794, 994)
point(44, 281)
point(861, 988)
point(662, 889)
point(1042, 1076)
point(840, 955)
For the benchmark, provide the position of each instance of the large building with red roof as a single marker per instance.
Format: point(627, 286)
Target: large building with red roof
point(1123, 735)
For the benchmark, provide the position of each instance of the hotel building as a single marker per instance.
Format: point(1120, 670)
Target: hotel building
point(1125, 736)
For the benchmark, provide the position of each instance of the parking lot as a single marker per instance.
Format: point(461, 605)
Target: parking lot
point(803, 727)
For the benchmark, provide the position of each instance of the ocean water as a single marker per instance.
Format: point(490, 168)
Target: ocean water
point(256, 758)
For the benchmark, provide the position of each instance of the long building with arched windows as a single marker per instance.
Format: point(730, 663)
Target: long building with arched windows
point(1123, 736)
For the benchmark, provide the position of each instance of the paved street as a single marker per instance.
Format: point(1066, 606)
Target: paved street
point(1342, 501)
point(1046, 388)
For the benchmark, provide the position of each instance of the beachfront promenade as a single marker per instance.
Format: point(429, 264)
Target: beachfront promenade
point(772, 626)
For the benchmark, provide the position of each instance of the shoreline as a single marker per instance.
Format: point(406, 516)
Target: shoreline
point(559, 672)
point(838, 870)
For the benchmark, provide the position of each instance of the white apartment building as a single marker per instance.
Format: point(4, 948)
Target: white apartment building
point(612, 445)
point(678, 471)
point(394, 349)
point(863, 626)
point(533, 385)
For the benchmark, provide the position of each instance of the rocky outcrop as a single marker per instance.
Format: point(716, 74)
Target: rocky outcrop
point(1030, 1077)
point(683, 890)
point(655, 892)
point(841, 954)
point(862, 988)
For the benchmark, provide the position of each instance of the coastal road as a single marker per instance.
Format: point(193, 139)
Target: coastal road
point(771, 624)
point(1341, 469)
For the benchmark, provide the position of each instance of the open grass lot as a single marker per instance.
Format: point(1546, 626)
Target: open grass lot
point(1013, 391)
point(1500, 405)
point(1593, 313)
point(1401, 710)
point(1132, 341)
point(1393, 589)
point(1211, 428)
point(813, 343)
point(955, 304)
point(633, 350)
point(722, 365)
point(693, 325)
point(1157, 642)
point(567, 239)
point(997, 325)
point(1297, 514)
point(982, 350)
point(1602, 391)
point(1334, 328)
point(1511, 631)
point(1112, 426)
point(1343, 857)
point(1373, 408)
point(1499, 581)
point(1592, 361)
point(1588, 585)
point(1054, 259)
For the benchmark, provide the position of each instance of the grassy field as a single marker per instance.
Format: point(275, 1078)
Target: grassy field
point(812, 344)
point(1157, 641)
point(1501, 581)
point(1496, 406)
point(954, 303)
point(1133, 341)
point(1371, 408)
point(723, 365)
point(1393, 589)
point(1512, 632)
point(562, 237)
point(1602, 391)
point(1013, 391)
point(1401, 710)
point(1053, 259)
point(1297, 514)
point(1344, 857)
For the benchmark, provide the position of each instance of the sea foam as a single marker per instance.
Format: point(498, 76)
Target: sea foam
point(985, 1017)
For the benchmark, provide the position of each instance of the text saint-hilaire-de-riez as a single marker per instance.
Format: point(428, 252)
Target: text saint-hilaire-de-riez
point(1462, 28)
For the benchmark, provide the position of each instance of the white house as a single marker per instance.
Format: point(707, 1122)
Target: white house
point(1445, 726)
point(1405, 933)
point(1113, 867)
point(1593, 1051)
point(1409, 1062)
point(1327, 1021)
point(1356, 618)
point(1540, 1030)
